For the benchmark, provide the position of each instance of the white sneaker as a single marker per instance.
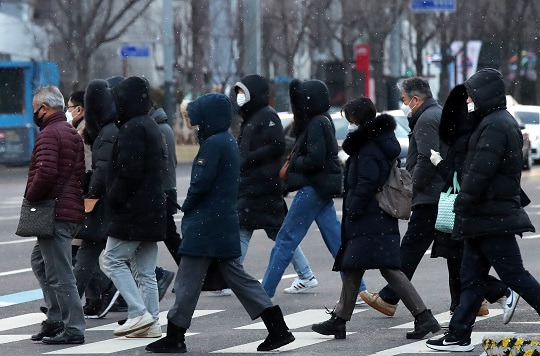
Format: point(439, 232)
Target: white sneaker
point(359, 300)
point(301, 285)
point(153, 330)
point(222, 293)
point(135, 324)
point(509, 306)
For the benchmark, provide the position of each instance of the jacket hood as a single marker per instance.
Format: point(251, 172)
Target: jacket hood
point(132, 98)
point(455, 119)
point(211, 112)
point(113, 81)
point(100, 109)
point(486, 88)
point(159, 116)
point(381, 131)
point(257, 93)
point(308, 99)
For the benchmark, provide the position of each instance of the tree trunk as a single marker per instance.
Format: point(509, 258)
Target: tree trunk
point(377, 61)
point(200, 20)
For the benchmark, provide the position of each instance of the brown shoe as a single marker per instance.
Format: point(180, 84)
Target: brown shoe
point(483, 311)
point(376, 302)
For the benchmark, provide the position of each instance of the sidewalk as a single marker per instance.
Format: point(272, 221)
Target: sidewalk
point(512, 344)
point(186, 153)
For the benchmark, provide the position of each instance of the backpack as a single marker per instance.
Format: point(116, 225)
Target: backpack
point(395, 195)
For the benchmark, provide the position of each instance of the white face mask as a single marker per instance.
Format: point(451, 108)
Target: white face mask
point(352, 128)
point(470, 107)
point(406, 110)
point(241, 99)
point(69, 116)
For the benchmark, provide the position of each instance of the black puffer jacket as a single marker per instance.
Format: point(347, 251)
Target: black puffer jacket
point(424, 124)
point(314, 161)
point(489, 200)
point(136, 170)
point(261, 143)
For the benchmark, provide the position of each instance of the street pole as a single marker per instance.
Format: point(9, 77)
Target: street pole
point(252, 37)
point(168, 53)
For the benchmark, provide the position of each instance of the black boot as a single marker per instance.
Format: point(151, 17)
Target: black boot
point(333, 326)
point(174, 342)
point(49, 329)
point(278, 332)
point(424, 323)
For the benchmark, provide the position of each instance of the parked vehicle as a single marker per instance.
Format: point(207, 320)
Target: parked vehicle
point(529, 117)
point(17, 129)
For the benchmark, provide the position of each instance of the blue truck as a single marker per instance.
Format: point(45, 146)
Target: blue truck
point(18, 80)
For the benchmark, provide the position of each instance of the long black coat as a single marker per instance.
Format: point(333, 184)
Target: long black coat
point(261, 143)
point(137, 167)
point(370, 237)
point(489, 202)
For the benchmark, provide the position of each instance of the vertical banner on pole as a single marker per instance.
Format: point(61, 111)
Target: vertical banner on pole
point(362, 64)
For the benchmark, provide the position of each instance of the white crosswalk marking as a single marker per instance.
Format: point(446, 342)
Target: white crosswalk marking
point(302, 339)
point(420, 347)
point(442, 317)
point(162, 320)
point(298, 320)
point(4, 339)
point(21, 320)
point(106, 346)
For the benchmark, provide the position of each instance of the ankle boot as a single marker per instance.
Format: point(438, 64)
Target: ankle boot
point(424, 323)
point(173, 342)
point(333, 326)
point(278, 332)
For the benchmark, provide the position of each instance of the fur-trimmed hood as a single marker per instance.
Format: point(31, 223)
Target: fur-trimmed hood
point(455, 119)
point(100, 109)
point(379, 130)
point(308, 99)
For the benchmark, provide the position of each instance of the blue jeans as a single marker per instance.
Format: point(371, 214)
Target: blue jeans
point(299, 261)
point(307, 206)
point(139, 289)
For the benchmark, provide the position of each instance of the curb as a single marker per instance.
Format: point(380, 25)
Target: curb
point(511, 345)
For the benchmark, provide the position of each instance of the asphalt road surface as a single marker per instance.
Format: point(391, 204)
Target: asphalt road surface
point(221, 325)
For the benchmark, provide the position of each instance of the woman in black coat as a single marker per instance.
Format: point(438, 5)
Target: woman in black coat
point(370, 236)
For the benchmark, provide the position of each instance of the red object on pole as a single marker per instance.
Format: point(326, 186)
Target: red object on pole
point(362, 64)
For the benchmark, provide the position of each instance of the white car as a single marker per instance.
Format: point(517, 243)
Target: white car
point(530, 117)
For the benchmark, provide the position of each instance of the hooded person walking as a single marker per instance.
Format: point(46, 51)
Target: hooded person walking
point(211, 202)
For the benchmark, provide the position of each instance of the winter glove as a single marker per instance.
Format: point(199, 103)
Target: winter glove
point(435, 157)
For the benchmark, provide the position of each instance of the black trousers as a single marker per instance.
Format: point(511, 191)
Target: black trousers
point(419, 236)
point(502, 252)
point(172, 240)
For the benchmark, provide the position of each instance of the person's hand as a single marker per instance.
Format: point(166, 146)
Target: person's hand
point(435, 157)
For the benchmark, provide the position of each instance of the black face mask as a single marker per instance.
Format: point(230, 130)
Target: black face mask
point(38, 120)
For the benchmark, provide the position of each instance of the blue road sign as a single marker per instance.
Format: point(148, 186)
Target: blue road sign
point(433, 5)
point(135, 51)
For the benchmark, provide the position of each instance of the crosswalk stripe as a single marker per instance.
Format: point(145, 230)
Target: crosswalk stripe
point(162, 319)
point(106, 346)
point(297, 320)
point(8, 273)
point(442, 317)
point(5, 339)
point(303, 339)
point(21, 297)
point(18, 241)
point(21, 320)
point(419, 347)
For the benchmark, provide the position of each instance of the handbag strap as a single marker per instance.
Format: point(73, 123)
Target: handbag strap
point(455, 188)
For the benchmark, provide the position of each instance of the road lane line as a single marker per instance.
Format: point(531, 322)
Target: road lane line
point(10, 217)
point(298, 320)
point(107, 346)
point(419, 347)
point(303, 339)
point(21, 297)
point(162, 319)
point(18, 241)
point(16, 271)
point(442, 317)
point(19, 321)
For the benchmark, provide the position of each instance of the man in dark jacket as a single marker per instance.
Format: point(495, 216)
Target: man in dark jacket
point(260, 196)
point(211, 202)
point(488, 209)
point(424, 115)
point(57, 172)
point(315, 172)
point(137, 202)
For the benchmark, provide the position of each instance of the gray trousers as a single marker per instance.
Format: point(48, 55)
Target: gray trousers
point(397, 279)
point(51, 263)
point(190, 279)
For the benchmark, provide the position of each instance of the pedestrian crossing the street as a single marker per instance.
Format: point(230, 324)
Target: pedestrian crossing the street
point(295, 321)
